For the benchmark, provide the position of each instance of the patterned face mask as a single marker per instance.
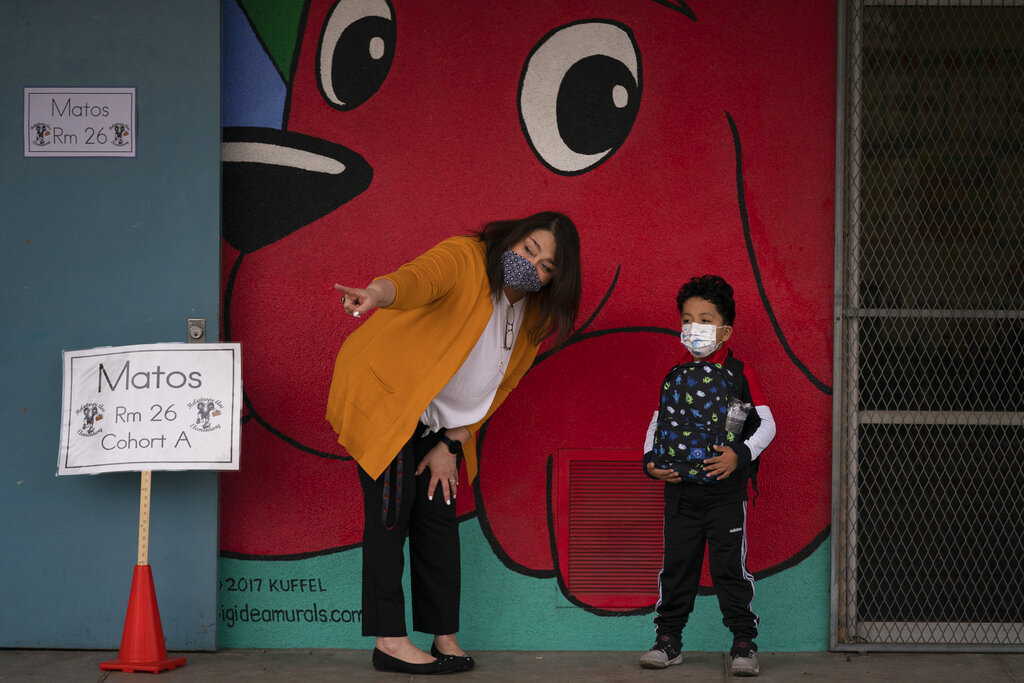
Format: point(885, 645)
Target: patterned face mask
point(699, 339)
point(519, 273)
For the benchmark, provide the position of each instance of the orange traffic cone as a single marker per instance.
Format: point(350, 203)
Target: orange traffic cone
point(142, 643)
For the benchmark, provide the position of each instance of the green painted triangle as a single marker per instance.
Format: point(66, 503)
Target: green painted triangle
point(276, 23)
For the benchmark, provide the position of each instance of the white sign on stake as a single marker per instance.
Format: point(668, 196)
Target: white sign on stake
point(80, 122)
point(151, 407)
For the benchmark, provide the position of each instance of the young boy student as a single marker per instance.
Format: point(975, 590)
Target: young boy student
point(705, 467)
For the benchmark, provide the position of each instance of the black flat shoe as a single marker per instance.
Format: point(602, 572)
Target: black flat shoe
point(465, 661)
point(385, 662)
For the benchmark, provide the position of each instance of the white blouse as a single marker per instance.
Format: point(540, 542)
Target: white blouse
point(469, 393)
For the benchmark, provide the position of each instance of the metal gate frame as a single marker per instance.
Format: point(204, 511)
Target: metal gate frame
point(846, 633)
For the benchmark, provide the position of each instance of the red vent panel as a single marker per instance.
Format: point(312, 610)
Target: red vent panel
point(608, 528)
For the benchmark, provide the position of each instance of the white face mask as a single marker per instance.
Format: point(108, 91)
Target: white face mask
point(700, 340)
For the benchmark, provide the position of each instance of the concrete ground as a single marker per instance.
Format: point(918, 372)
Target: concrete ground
point(73, 666)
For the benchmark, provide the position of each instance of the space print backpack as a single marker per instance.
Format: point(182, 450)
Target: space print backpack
point(699, 408)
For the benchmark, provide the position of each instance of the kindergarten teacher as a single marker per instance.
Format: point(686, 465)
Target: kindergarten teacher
point(458, 328)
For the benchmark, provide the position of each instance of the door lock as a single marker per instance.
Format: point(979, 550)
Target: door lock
point(196, 330)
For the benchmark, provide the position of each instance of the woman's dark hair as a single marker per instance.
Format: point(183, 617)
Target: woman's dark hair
point(711, 288)
point(559, 300)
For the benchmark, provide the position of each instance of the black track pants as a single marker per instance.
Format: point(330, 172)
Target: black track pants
point(691, 522)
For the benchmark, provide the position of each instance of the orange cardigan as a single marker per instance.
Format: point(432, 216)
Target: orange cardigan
point(394, 364)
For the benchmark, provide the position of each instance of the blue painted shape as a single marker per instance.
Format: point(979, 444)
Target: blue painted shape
point(253, 93)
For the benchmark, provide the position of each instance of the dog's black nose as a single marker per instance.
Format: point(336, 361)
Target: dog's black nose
point(277, 181)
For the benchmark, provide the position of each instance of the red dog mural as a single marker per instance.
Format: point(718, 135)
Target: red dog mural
point(682, 138)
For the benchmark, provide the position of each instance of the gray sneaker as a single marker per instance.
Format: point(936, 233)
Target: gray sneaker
point(664, 654)
point(744, 660)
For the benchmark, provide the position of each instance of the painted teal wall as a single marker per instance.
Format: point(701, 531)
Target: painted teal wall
point(99, 252)
point(316, 603)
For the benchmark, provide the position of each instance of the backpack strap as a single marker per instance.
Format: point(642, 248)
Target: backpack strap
point(735, 366)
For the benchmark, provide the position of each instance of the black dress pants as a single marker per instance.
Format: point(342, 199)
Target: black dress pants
point(433, 532)
point(691, 522)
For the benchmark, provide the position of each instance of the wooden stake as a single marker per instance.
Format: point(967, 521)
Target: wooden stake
point(147, 480)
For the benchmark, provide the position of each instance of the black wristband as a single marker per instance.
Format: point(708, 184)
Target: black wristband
point(454, 445)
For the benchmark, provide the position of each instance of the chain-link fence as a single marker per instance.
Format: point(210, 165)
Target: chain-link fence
point(929, 432)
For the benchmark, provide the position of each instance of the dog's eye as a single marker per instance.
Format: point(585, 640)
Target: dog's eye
point(356, 48)
point(579, 94)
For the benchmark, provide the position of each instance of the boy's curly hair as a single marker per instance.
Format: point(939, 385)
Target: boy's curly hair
point(711, 288)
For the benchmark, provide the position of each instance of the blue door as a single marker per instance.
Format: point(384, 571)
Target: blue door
point(104, 252)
